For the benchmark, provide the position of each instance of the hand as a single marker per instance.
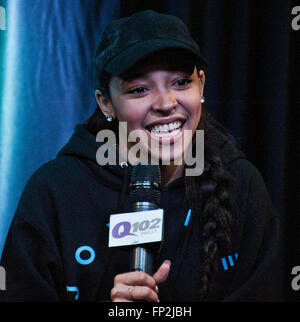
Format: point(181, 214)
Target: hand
point(139, 286)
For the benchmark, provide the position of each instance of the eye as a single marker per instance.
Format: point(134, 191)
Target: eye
point(183, 82)
point(137, 91)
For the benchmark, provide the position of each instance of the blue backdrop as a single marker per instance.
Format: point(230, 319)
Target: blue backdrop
point(47, 86)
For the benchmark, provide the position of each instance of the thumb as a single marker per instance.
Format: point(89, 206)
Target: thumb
point(162, 273)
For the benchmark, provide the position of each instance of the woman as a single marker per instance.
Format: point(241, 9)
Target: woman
point(220, 230)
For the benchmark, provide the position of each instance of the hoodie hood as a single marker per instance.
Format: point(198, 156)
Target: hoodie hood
point(83, 146)
point(225, 144)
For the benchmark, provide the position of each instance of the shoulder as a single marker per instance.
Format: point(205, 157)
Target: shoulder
point(250, 189)
point(54, 173)
point(245, 171)
point(248, 179)
point(48, 189)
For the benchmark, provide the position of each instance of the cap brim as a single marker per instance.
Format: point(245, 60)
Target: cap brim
point(121, 63)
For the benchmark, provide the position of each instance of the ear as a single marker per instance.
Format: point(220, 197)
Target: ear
point(201, 77)
point(104, 104)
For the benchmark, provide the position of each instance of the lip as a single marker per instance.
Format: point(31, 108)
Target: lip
point(166, 120)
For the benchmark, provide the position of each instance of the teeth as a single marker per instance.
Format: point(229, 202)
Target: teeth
point(164, 134)
point(166, 127)
point(164, 130)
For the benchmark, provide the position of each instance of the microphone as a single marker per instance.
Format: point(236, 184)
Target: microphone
point(144, 189)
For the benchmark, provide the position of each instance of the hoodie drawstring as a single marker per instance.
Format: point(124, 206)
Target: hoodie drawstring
point(122, 198)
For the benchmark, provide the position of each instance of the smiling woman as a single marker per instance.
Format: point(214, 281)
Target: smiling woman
point(159, 100)
point(220, 228)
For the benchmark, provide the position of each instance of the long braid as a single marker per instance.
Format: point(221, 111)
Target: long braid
point(208, 195)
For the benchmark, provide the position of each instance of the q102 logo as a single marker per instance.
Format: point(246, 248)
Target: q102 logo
point(136, 228)
point(123, 228)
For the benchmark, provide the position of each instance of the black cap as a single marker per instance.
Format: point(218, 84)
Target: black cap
point(127, 40)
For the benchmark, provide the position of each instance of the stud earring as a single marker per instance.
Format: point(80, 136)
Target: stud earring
point(202, 99)
point(109, 118)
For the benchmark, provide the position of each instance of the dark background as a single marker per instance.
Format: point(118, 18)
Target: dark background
point(252, 87)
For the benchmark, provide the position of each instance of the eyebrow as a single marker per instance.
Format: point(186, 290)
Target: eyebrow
point(137, 75)
point(130, 79)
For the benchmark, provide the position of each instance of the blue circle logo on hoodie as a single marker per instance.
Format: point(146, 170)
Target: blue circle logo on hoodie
point(87, 261)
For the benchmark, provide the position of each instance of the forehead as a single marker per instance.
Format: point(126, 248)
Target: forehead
point(168, 60)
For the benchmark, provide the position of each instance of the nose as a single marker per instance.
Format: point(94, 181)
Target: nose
point(164, 102)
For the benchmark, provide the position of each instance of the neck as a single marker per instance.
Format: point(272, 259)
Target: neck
point(171, 172)
point(168, 172)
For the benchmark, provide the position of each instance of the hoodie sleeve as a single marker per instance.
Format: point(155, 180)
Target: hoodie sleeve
point(30, 256)
point(257, 273)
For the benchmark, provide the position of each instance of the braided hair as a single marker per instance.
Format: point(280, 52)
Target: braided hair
point(207, 194)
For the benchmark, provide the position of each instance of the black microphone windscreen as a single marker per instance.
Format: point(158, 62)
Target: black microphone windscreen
point(145, 182)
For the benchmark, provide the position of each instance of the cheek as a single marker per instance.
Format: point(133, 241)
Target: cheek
point(132, 113)
point(194, 108)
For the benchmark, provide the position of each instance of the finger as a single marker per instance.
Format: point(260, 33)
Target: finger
point(121, 300)
point(125, 293)
point(135, 278)
point(163, 272)
point(117, 293)
point(143, 293)
point(121, 293)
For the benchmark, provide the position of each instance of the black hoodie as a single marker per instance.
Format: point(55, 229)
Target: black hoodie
point(57, 245)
